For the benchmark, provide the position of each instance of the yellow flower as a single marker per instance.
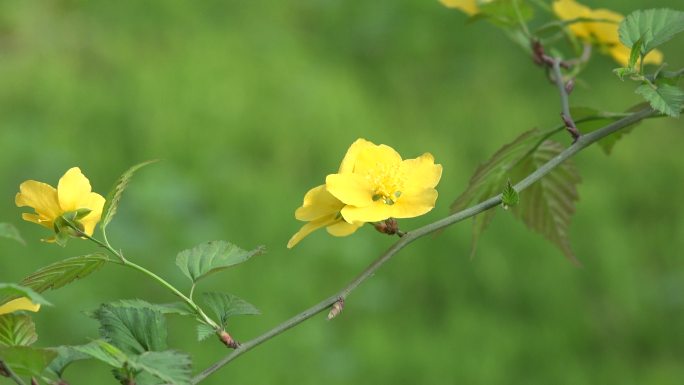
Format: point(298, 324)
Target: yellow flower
point(321, 209)
point(73, 193)
point(603, 33)
point(22, 303)
point(470, 7)
point(381, 185)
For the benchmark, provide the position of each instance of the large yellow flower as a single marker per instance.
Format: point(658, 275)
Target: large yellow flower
point(470, 7)
point(381, 185)
point(321, 209)
point(73, 193)
point(603, 33)
point(22, 303)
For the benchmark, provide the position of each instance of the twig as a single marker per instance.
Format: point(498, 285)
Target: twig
point(563, 91)
point(6, 371)
point(411, 236)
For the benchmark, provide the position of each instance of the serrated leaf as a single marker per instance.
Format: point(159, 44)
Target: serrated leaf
point(114, 196)
point(65, 356)
point(7, 230)
point(104, 351)
point(26, 361)
point(509, 197)
point(653, 26)
point(228, 305)
point(64, 272)
point(133, 330)
point(666, 98)
point(581, 116)
point(635, 53)
point(164, 308)
point(489, 177)
point(10, 291)
point(210, 257)
point(171, 366)
point(17, 330)
point(547, 205)
point(204, 332)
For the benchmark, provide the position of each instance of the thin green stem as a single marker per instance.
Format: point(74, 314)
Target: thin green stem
point(8, 372)
point(521, 21)
point(414, 235)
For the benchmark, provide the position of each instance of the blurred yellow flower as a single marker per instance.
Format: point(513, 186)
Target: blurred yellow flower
point(321, 209)
point(73, 193)
point(22, 303)
point(380, 185)
point(603, 33)
point(470, 7)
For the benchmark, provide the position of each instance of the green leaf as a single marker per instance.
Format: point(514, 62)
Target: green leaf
point(653, 26)
point(164, 308)
point(635, 53)
point(64, 272)
point(489, 178)
point(509, 197)
point(666, 98)
point(228, 305)
point(65, 356)
point(114, 196)
point(10, 291)
point(17, 330)
point(170, 366)
point(588, 120)
point(26, 361)
point(204, 332)
point(547, 206)
point(133, 330)
point(211, 257)
point(104, 351)
point(7, 230)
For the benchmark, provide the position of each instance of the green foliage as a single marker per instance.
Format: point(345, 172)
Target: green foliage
point(509, 197)
point(7, 230)
point(547, 206)
point(635, 54)
point(489, 179)
point(228, 305)
point(134, 330)
point(103, 351)
point(17, 330)
point(504, 12)
point(165, 308)
point(204, 332)
point(114, 196)
point(210, 257)
point(10, 291)
point(663, 97)
point(65, 356)
point(652, 26)
point(61, 273)
point(171, 366)
point(26, 361)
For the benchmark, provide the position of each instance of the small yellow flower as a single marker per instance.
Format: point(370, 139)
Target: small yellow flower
point(321, 209)
point(602, 33)
point(73, 193)
point(469, 7)
point(22, 303)
point(381, 185)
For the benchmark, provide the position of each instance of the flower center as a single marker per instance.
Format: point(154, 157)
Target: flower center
point(387, 182)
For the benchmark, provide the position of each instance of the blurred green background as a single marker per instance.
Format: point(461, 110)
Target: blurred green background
point(251, 103)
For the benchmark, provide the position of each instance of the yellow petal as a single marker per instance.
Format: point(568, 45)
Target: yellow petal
point(73, 190)
point(414, 204)
point(342, 228)
point(19, 304)
point(374, 158)
point(95, 202)
point(35, 218)
point(318, 202)
point(308, 229)
point(605, 32)
point(349, 159)
point(570, 10)
point(468, 6)
point(421, 173)
point(621, 54)
point(375, 212)
point(41, 197)
point(350, 189)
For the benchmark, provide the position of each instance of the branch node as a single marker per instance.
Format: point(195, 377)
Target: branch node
point(228, 340)
point(336, 309)
point(389, 226)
